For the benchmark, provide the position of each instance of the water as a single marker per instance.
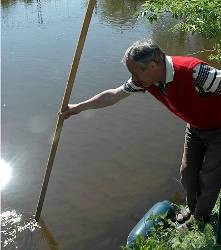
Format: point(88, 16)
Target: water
point(112, 164)
point(19, 232)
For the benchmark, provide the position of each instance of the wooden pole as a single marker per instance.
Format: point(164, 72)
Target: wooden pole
point(218, 233)
point(64, 104)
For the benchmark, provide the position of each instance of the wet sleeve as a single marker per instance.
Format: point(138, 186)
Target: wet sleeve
point(207, 79)
point(130, 87)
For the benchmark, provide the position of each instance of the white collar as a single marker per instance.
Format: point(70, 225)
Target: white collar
point(169, 70)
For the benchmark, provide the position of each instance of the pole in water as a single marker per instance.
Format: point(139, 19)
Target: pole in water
point(218, 233)
point(64, 104)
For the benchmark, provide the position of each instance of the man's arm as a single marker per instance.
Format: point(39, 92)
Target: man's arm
point(207, 79)
point(101, 100)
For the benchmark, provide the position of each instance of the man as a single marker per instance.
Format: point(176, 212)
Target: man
point(191, 89)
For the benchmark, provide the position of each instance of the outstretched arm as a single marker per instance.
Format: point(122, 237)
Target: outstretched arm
point(101, 100)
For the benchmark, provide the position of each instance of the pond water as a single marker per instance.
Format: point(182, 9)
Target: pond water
point(112, 164)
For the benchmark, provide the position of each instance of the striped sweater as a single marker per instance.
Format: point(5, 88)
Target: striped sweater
point(207, 79)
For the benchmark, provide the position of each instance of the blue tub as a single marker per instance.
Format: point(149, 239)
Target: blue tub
point(146, 224)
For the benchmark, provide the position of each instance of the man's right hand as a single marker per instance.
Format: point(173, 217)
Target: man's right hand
point(72, 109)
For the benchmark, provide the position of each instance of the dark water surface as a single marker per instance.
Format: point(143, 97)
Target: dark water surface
point(112, 164)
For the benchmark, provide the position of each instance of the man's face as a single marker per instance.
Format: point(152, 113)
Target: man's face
point(145, 77)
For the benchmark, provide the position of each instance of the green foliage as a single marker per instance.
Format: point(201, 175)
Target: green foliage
point(169, 239)
point(166, 237)
point(201, 16)
point(217, 53)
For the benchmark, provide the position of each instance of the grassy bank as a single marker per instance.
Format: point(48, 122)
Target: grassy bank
point(200, 237)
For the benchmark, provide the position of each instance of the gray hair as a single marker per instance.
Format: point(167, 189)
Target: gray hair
point(143, 52)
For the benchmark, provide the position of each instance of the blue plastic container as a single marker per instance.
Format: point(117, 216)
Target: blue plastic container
point(146, 224)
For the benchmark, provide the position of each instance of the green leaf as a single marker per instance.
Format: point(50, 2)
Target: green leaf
point(195, 16)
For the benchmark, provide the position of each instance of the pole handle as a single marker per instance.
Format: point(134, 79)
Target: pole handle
point(78, 53)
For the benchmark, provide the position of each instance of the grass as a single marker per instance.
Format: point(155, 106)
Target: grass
point(165, 236)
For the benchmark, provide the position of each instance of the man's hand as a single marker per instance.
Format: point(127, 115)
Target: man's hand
point(72, 109)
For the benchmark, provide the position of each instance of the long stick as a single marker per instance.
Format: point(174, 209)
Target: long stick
point(64, 104)
point(218, 233)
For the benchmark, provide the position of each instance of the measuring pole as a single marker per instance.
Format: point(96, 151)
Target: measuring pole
point(218, 233)
point(64, 105)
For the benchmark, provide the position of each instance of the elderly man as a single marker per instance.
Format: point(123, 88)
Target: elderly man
point(191, 89)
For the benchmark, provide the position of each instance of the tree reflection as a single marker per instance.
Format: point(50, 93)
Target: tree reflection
point(179, 43)
point(121, 13)
point(8, 3)
point(118, 13)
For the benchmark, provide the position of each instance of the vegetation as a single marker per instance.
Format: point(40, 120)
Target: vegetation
point(201, 16)
point(165, 236)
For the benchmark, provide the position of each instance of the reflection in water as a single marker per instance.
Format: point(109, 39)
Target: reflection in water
point(5, 173)
point(24, 233)
point(17, 231)
point(48, 236)
point(40, 19)
point(179, 43)
point(6, 4)
point(121, 14)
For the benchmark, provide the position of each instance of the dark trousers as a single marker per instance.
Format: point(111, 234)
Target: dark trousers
point(201, 170)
